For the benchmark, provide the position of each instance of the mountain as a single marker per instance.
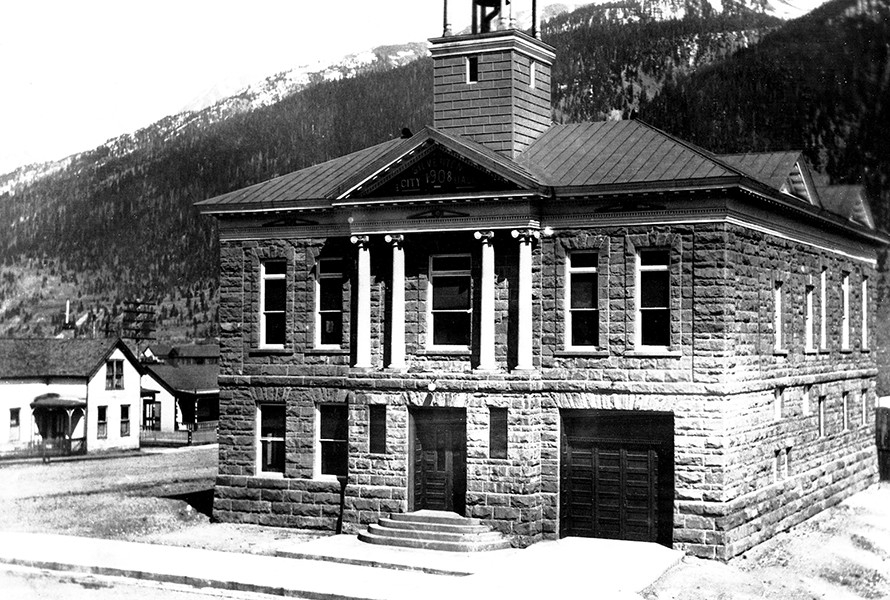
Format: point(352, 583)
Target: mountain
point(117, 223)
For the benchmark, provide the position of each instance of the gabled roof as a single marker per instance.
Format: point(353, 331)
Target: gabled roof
point(849, 202)
point(80, 357)
point(192, 379)
point(617, 153)
point(787, 172)
point(195, 351)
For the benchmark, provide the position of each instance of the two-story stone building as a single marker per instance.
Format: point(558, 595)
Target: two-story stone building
point(586, 329)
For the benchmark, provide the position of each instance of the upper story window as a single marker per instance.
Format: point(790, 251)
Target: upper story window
point(532, 74)
point(582, 300)
point(653, 317)
point(273, 300)
point(809, 330)
point(472, 69)
point(329, 302)
point(778, 324)
point(272, 426)
point(449, 301)
point(845, 315)
point(114, 375)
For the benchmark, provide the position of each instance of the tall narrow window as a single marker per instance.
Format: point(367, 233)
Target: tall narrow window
point(845, 317)
point(532, 74)
point(14, 424)
point(273, 300)
point(788, 462)
point(863, 399)
point(778, 401)
point(864, 294)
point(809, 332)
point(125, 420)
point(821, 413)
point(582, 300)
point(377, 428)
point(332, 439)
point(846, 407)
point(497, 432)
point(777, 316)
point(272, 425)
point(114, 375)
point(101, 422)
point(472, 69)
point(653, 291)
point(805, 400)
point(823, 310)
point(329, 302)
point(449, 301)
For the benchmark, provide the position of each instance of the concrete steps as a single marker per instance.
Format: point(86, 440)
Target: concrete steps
point(434, 530)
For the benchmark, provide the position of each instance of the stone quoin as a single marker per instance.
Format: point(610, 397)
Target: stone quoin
point(590, 329)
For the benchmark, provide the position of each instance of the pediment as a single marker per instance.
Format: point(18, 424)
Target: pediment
point(434, 170)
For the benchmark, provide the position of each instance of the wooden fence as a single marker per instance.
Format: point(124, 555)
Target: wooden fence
point(196, 434)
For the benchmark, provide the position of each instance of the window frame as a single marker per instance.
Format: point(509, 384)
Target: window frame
point(638, 294)
point(845, 406)
point(778, 316)
point(809, 325)
point(571, 270)
point(864, 324)
point(114, 374)
point(321, 441)
point(15, 424)
point(430, 312)
point(125, 422)
point(823, 310)
point(320, 275)
point(845, 312)
point(498, 432)
point(261, 469)
point(377, 428)
point(820, 410)
point(472, 72)
point(102, 422)
point(863, 420)
point(265, 277)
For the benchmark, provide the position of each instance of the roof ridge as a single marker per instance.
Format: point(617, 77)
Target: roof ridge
point(708, 155)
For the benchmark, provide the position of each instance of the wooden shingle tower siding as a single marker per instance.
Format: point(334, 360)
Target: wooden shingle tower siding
point(581, 329)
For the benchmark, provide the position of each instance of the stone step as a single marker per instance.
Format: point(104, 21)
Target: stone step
point(427, 526)
point(432, 535)
point(434, 516)
point(426, 544)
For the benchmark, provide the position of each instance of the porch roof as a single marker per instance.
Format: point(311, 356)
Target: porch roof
point(53, 400)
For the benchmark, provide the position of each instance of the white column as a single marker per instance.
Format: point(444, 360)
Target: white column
point(486, 303)
point(524, 341)
point(362, 322)
point(397, 327)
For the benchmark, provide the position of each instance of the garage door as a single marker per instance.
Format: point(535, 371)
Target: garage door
point(617, 475)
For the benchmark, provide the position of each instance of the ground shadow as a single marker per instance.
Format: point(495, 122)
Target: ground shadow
point(200, 500)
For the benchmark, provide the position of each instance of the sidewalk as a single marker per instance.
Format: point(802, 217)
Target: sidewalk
point(340, 567)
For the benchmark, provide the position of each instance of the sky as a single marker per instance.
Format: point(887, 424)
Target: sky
point(75, 73)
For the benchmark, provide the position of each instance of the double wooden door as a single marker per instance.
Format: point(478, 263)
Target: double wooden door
point(438, 463)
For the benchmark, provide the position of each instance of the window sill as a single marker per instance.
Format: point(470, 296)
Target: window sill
point(328, 478)
point(824, 351)
point(270, 352)
point(846, 351)
point(581, 352)
point(341, 351)
point(269, 475)
point(780, 352)
point(865, 350)
point(654, 352)
point(811, 352)
point(444, 352)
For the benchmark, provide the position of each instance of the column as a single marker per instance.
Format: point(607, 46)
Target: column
point(362, 314)
point(524, 338)
point(486, 303)
point(397, 327)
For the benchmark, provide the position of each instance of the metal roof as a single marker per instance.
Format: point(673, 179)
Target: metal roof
point(50, 357)
point(849, 202)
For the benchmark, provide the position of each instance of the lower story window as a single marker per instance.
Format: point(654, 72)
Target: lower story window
point(102, 422)
point(14, 424)
point(332, 439)
point(125, 420)
point(272, 428)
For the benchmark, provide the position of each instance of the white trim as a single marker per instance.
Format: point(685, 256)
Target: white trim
point(823, 309)
point(638, 316)
point(567, 298)
point(845, 312)
point(263, 279)
point(318, 277)
point(258, 445)
point(864, 309)
point(778, 320)
point(429, 300)
point(809, 325)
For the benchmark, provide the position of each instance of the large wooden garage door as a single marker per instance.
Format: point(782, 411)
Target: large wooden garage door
point(617, 475)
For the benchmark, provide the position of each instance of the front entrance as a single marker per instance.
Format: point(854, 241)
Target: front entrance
point(438, 465)
point(617, 475)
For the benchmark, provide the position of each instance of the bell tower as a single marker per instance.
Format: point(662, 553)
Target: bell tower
point(492, 84)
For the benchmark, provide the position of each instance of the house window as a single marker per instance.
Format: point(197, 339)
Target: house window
point(845, 319)
point(273, 299)
point(332, 439)
point(864, 313)
point(125, 420)
point(329, 302)
point(532, 73)
point(15, 424)
point(151, 415)
point(377, 428)
point(778, 467)
point(777, 316)
point(582, 299)
point(787, 473)
point(114, 375)
point(653, 289)
point(472, 69)
point(272, 430)
point(449, 301)
point(497, 432)
point(809, 332)
point(805, 401)
point(778, 401)
point(864, 402)
point(821, 416)
point(823, 310)
point(102, 422)
point(846, 407)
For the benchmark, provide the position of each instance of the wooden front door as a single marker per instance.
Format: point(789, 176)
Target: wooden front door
point(438, 460)
point(617, 475)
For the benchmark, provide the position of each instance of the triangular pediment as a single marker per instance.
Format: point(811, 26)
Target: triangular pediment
point(439, 167)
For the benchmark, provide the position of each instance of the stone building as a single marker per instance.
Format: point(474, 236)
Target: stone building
point(590, 329)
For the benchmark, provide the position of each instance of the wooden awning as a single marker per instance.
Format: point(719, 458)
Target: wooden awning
point(56, 401)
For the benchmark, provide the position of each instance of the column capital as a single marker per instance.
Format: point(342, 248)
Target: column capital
point(360, 240)
point(396, 239)
point(485, 237)
point(526, 236)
